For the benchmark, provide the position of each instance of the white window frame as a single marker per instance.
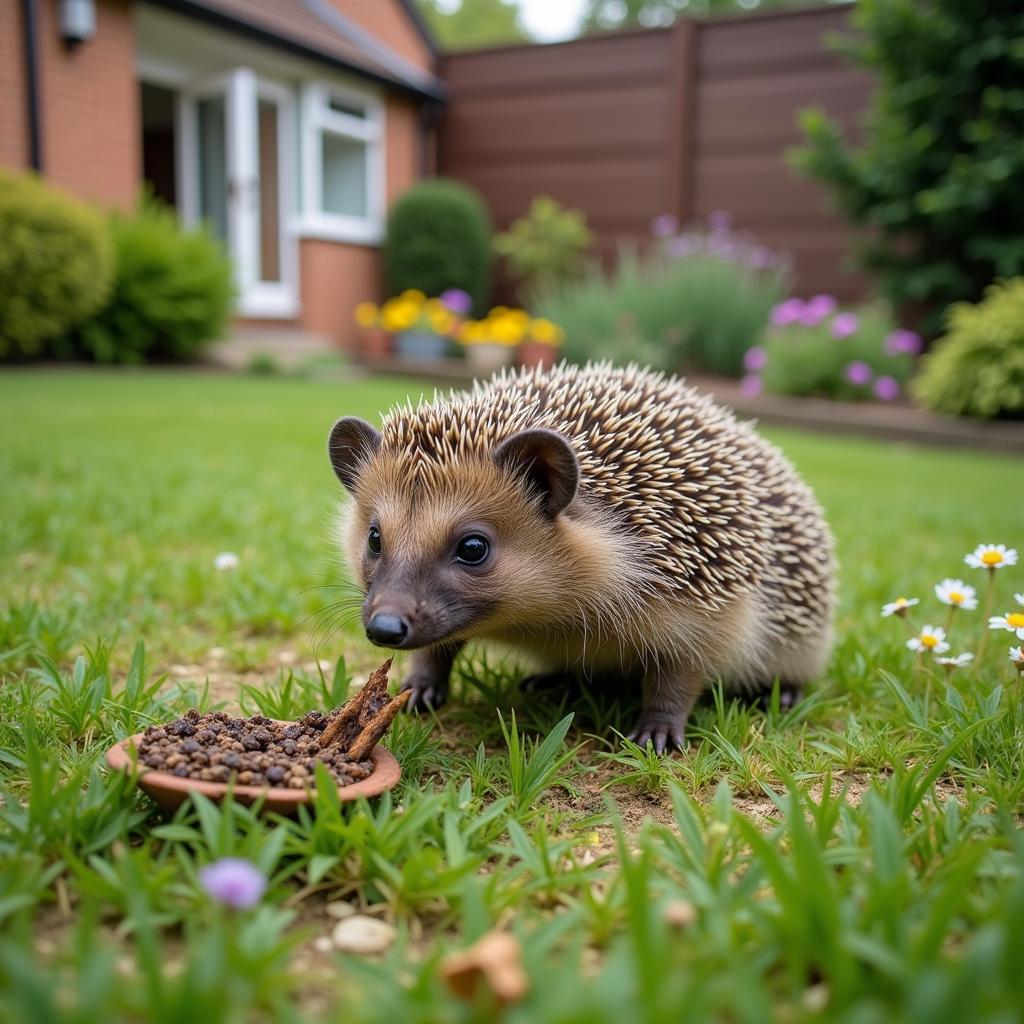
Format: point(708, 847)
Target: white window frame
point(318, 118)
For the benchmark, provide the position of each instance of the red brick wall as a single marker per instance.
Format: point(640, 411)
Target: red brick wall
point(389, 21)
point(13, 120)
point(90, 116)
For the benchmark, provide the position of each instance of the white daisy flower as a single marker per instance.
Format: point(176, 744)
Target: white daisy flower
point(1013, 622)
point(991, 556)
point(1019, 598)
point(957, 594)
point(225, 561)
point(958, 661)
point(1017, 657)
point(899, 606)
point(931, 638)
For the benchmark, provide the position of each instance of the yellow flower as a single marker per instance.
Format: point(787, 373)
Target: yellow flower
point(546, 332)
point(366, 314)
point(441, 321)
point(399, 314)
point(413, 295)
point(506, 330)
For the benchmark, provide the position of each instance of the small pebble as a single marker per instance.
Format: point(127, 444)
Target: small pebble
point(339, 909)
point(363, 935)
point(323, 944)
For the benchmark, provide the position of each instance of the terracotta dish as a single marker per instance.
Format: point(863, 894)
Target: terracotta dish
point(169, 791)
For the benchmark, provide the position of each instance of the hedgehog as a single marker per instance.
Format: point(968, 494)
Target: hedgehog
point(608, 522)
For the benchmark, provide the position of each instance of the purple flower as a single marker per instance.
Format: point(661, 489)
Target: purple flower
point(858, 372)
point(760, 257)
point(845, 324)
point(886, 388)
point(903, 341)
point(755, 358)
point(809, 316)
point(823, 305)
point(719, 221)
point(664, 225)
point(457, 300)
point(234, 882)
point(787, 312)
point(682, 245)
point(751, 386)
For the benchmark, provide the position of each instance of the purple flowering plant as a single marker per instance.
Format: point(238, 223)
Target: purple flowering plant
point(233, 882)
point(814, 347)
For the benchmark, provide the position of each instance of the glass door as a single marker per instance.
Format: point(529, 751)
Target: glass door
point(236, 173)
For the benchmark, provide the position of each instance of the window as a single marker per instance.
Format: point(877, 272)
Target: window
point(343, 164)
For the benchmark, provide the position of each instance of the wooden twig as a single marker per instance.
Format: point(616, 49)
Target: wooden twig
point(376, 727)
point(354, 715)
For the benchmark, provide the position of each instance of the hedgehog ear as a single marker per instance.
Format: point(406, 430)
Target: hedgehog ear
point(350, 444)
point(548, 463)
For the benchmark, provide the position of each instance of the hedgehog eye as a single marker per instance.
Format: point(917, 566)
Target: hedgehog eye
point(472, 550)
point(373, 541)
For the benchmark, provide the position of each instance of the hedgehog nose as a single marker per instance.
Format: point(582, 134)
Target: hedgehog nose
point(387, 630)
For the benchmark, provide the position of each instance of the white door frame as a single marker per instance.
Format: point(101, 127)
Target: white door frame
point(242, 89)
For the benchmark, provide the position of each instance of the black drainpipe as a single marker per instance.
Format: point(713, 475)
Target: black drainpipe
point(35, 148)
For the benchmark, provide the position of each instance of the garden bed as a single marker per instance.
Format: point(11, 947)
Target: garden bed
point(895, 421)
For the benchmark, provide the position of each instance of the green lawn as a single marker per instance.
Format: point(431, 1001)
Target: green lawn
point(857, 860)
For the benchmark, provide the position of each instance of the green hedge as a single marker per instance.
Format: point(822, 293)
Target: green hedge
point(56, 264)
point(439, 237)
point(977, 369)
point(172, 294)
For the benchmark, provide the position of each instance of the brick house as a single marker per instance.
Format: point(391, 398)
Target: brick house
point(289, 125)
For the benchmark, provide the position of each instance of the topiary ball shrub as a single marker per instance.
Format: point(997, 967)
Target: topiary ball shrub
point(56, 264)
point(977, 368)
point(439, 237)
point(173, 291)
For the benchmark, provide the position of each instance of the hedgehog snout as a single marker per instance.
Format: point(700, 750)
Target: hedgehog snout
point(386, 629)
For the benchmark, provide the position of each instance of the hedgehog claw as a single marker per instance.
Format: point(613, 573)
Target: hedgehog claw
point(665, 736)
point(426, 695)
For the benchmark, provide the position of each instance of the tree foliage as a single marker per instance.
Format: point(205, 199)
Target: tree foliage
point(471, 23)
point(605, 15)
point(935, 179)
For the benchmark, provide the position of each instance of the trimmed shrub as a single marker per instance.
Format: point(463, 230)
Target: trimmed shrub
point(172, 294)
point(547, 247)
point(977, 369)
point(439, 237)
point(698, 301)
point(814, 348)
point(56, 263)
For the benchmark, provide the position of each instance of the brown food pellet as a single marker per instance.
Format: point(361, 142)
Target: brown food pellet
point(252, 751)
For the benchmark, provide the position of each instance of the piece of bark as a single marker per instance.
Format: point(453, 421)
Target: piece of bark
point(347, 724)
point(494, 963)
point(376, 727)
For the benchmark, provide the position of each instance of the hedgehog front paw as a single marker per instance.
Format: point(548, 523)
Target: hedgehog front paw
point(665, 731)
point(428, 693)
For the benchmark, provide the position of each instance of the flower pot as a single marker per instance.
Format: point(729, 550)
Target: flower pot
point(421, 345)
point(487, 357)
point(169, 791)
point(374, 343)
point(536, 353)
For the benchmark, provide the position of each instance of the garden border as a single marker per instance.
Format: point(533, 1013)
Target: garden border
point(884, 421)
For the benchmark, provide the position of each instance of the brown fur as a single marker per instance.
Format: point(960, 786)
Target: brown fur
point(690, 550)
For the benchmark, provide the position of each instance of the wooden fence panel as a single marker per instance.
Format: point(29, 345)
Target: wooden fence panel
point(687, 120)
